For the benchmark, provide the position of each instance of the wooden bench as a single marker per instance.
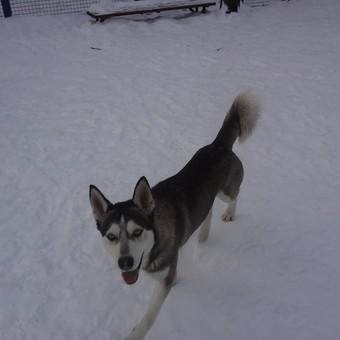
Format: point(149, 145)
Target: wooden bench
point(102, 11)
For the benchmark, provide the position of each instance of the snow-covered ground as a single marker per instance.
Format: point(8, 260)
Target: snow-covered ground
point(106, 103)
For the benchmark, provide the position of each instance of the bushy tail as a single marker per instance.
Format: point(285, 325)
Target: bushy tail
point(240, 120)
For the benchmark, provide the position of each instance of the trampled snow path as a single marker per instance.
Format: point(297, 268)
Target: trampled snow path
point(141, 103)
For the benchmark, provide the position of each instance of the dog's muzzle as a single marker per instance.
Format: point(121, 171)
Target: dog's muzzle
point(125, 264)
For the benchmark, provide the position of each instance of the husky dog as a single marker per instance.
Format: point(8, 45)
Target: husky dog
point(147, 231)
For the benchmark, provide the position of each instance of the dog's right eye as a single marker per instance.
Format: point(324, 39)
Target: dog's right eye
point(111, 237)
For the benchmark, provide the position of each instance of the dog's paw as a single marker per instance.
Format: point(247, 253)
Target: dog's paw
point(138, 333)
point(227, 217)
point(202, 236)
point(132, 336)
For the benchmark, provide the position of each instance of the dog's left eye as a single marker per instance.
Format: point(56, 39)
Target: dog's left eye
point(137, 232)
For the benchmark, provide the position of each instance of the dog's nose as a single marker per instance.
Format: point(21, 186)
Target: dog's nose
point(125, 262)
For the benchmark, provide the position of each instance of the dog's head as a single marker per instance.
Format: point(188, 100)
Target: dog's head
point(126, 227)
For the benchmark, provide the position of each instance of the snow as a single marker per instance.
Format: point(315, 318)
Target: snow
point(106, 103)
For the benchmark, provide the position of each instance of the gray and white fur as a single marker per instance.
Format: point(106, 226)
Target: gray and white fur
point(147, 231)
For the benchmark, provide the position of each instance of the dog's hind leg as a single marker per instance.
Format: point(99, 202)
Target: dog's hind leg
point(229, 214)
point(205, 228)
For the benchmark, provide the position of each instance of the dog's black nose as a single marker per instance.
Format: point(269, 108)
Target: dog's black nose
point(125, 262)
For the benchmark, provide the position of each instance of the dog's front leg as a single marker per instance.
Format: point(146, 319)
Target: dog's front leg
point(161, 292)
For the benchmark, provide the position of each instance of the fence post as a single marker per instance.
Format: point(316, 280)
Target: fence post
point(6, 7)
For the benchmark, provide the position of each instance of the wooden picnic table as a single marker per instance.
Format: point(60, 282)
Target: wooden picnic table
point(113, 9)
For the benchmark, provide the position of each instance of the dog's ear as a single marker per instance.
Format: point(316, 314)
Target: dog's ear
point(142, 196)
point(98, 203)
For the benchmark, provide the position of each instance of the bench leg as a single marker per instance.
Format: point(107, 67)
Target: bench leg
point(196, 9)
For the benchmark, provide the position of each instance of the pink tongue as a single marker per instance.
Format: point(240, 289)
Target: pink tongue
point(130, 277)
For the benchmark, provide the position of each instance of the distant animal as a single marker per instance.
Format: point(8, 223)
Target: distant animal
point(147, 231)
point(232, 5)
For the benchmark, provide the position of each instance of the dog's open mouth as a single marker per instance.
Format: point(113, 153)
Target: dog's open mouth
point(130, 277)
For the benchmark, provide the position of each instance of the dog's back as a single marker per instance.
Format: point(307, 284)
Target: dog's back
point(213, 170)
